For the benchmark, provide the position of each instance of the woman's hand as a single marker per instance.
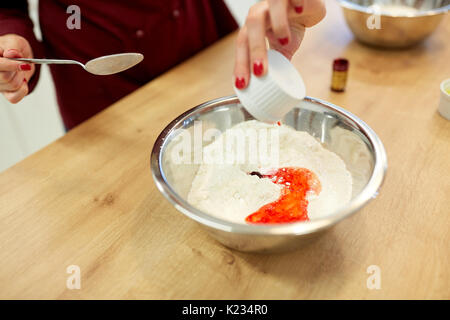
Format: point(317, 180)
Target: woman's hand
point(14, 75)
point(283, 22)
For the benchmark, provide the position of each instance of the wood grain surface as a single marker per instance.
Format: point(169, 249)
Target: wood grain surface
point(88, 199)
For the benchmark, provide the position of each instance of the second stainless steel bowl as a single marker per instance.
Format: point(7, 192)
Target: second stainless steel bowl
point(396, 30)
point(338, 130)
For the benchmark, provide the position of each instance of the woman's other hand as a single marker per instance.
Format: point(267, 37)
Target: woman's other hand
point(14, 75)
point(283, 23)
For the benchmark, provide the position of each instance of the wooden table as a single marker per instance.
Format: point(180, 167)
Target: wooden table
point(88, 199)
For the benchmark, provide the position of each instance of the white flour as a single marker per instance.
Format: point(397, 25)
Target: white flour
point(228, 192)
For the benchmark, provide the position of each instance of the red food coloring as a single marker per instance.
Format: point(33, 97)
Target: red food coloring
point(292, 205)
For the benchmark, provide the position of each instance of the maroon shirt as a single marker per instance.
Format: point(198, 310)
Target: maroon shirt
point(166, 32)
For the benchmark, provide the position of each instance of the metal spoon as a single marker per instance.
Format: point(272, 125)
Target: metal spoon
point(105, 65)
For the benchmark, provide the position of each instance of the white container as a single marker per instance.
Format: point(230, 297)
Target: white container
point(270, 97)
point(444, 104)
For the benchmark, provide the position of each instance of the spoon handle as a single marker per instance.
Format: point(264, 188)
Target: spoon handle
point(48, 61)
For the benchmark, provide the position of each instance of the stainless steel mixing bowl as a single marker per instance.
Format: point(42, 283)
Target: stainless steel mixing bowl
point(397, 30)
point(338, 130)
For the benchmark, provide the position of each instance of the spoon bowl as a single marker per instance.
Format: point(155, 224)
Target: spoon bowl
point(113, 63)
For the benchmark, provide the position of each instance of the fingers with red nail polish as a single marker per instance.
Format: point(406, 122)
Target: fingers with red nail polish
point(309, 12)
point(282, 23)
point(258, 68)
point(14, 75)
point(278, 12)
point(283, 41)
point(239, 83)
point(298, 6)
point(25, 67)
point(256, 30)
point(242, 60)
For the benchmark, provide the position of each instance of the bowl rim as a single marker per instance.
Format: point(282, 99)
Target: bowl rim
point(353, 6)
point(369, 192)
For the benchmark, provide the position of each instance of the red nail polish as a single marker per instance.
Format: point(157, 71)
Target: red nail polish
point(239, 83)
point(283, 41)
point(25, 67)
point(258, 68)
point(299, 9)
